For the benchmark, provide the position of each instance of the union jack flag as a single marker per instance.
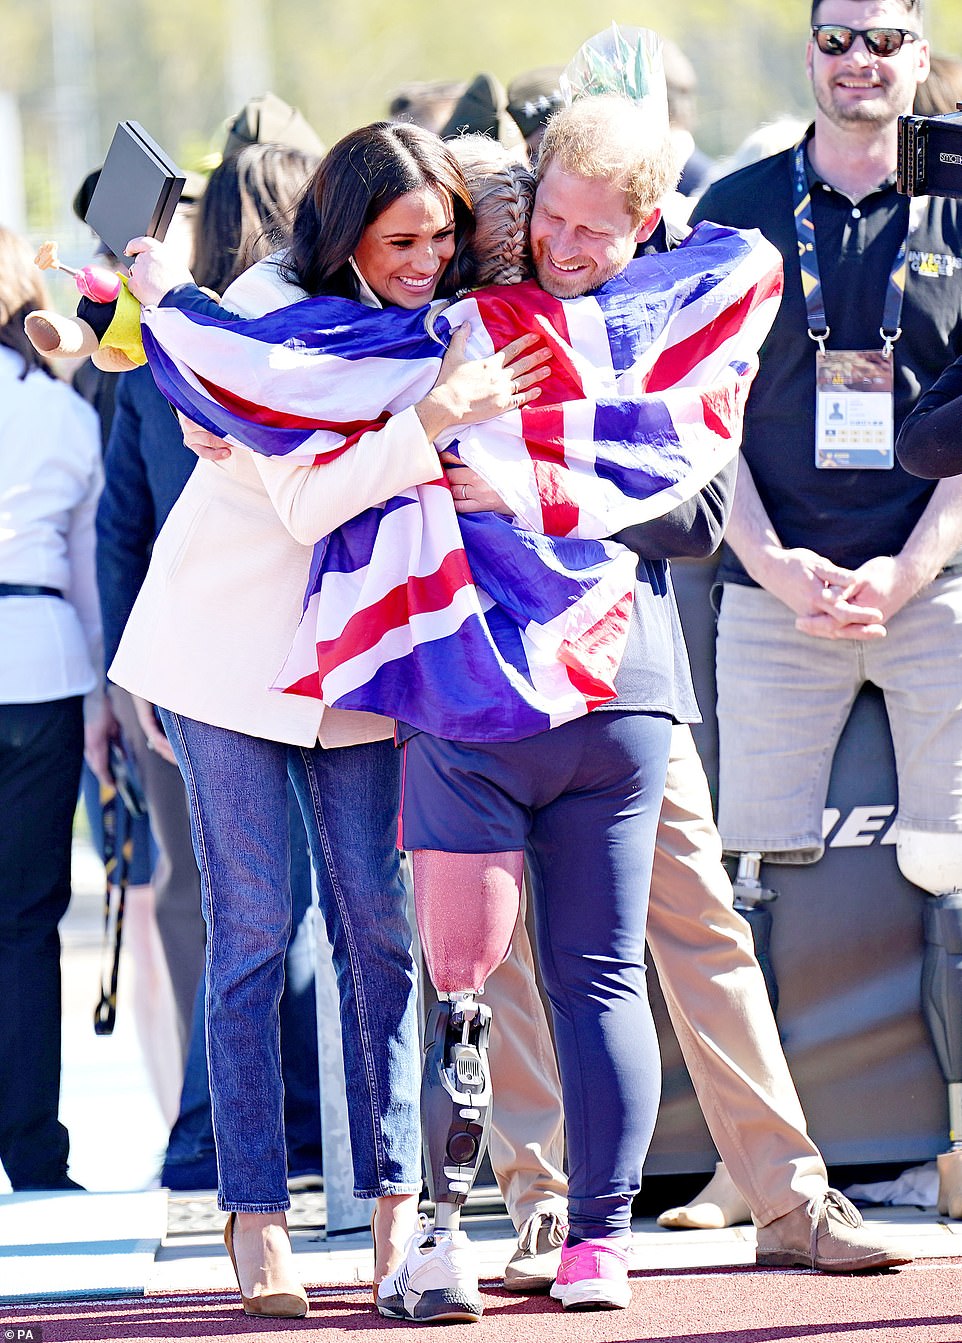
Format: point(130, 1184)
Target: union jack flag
point(483, 627)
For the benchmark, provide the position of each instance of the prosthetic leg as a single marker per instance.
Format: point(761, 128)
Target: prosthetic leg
point(467, 907)
point(934, 863)
point(455, 1101)
point(751, 901)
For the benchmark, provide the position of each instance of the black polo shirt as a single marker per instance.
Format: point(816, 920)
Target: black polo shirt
point(847, 516)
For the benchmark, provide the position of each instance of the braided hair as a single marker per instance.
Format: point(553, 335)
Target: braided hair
point(502, 192)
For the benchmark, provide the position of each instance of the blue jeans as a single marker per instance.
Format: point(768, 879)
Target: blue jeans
point(191, 1159)
point(237, 791)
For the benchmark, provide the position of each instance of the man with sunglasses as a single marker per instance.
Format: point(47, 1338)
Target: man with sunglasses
point(839, 567)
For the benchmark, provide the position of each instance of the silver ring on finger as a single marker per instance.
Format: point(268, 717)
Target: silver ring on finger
point(464, 492)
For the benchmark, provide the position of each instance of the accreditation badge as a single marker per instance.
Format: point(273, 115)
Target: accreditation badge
point(854, 410)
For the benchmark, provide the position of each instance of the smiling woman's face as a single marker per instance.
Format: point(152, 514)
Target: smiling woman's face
point(405, 251)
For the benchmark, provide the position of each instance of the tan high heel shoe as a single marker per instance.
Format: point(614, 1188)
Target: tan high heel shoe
point(276, 1305)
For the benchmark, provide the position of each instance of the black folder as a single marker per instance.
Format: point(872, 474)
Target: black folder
point(137, 191)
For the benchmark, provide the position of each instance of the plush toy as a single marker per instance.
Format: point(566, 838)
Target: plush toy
point(106, 325)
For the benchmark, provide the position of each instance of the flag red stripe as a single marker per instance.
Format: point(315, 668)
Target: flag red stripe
point(272, 417)
point(589, 651)
point(509, 311)
point(418, 596)
point(677, 362)
point(558, 511)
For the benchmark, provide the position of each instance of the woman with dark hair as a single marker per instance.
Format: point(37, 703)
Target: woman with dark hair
point(242, 216)
point(50, 673)
point(385, 220)
point(362, 176)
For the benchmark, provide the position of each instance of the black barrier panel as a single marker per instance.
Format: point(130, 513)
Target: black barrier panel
point(847, 952)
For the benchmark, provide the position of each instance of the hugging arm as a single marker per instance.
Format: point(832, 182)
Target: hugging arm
point(930, 440)
point(693, 530)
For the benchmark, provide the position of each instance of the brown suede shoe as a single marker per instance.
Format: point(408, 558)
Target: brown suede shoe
point(534, 1265)
point(828, 1234)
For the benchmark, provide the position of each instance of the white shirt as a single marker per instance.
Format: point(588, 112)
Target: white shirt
point(50, 477)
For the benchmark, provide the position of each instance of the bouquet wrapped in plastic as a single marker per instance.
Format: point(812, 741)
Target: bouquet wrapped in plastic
point(626, 61)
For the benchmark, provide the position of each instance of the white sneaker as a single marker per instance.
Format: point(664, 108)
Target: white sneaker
point(436, 1281)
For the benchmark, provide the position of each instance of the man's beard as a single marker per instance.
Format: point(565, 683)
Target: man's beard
point(866, 111)
point(579, 284)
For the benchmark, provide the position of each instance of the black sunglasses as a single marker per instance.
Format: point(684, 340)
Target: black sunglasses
point(834, 39)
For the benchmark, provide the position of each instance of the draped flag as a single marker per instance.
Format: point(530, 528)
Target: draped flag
point(484, 627)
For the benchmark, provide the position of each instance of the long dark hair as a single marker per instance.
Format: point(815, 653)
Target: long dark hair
point(246, 210)
point(356, 181)
point(21, 291)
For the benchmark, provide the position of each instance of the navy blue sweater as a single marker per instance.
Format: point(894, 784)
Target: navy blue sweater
point(146, 466)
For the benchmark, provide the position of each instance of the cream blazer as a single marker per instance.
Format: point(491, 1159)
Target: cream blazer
point(223, 595)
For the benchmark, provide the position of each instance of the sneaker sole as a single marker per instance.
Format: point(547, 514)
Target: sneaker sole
point(592, 1295)
point(866, 1263)
point(446, 1305)
point(392, 1307)
point(441, 1306)
point(527, 1282)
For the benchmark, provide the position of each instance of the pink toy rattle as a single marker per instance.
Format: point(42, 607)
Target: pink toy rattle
point(94, 282)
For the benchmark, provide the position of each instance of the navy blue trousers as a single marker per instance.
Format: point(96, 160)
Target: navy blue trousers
point(583, 801)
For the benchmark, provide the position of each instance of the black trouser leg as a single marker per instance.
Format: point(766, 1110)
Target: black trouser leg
point(41, 750)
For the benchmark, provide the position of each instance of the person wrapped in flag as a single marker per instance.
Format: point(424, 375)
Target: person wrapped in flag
point(470, 807)
point(642, 407)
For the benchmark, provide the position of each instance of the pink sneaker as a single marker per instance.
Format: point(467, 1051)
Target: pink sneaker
point(593, 1275)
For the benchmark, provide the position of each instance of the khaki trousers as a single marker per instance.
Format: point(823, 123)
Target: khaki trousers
point(719, 1008)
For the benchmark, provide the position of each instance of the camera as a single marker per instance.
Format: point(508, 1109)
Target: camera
point(930, 155)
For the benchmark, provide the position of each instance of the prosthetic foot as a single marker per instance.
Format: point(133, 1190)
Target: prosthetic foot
point(718, 1205)
point(438, 1281)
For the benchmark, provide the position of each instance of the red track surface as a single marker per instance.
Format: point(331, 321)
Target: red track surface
point(918, 1304)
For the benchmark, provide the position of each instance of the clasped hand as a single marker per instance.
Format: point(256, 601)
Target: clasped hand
point(832, 602)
